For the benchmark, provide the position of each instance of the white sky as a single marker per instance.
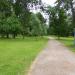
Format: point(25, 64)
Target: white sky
point(49, 2)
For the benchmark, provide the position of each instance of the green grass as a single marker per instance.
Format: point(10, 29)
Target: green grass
point(16, 55)
point(69, 42)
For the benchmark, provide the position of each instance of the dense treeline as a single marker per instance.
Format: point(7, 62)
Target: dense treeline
point(16, 19)
point(62, 18)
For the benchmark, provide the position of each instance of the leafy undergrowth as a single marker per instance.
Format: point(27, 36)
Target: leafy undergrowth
point(16, 55)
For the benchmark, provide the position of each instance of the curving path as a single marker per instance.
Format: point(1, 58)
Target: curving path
point(55, 59)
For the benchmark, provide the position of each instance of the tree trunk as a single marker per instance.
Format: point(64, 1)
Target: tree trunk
point(23, 34)
point(14, 36)
point(7, 35)
point(2, 35)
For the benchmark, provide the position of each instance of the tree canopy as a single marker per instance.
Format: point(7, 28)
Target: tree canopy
point(16, 18)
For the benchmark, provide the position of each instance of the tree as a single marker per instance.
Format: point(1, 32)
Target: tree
point(42, 22)
point(68, 4)
point(5, 12)
point(22, 11)
point(5, 8)
point(63, 25)
point(57, 22)
point(10, 25)
point(14, 26)
point(35, 26)
point(40, 17)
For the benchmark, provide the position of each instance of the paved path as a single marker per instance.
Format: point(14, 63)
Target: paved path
point(55, 59)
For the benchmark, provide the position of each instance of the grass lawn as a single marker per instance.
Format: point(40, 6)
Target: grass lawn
point(69, 42)
point(16, 55)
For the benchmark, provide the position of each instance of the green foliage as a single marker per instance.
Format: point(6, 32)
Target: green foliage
point(61, 19)
point(14, 26)
point(22, 11)
point(63, 26)
point(68, 5)
point(37, 27)
point(5, 8)
point(35, 24)
point(42, 22)
point(40, 17)
point(16, 18)
point(57, 22)
point(10, 25)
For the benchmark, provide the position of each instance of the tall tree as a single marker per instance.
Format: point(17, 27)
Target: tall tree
point(57, 21)
point(5, 8)
point(68, 4)
point(22, 11)
point(42, 22)
point(36, 27)
point(5, 12)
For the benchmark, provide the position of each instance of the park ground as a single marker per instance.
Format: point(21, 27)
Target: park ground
point(17, 55)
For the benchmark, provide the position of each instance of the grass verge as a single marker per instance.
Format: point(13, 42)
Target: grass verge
point(69, 42)
point(16, 55)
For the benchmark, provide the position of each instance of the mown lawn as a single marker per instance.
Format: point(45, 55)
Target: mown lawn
point(69, 42)
point(16, 55)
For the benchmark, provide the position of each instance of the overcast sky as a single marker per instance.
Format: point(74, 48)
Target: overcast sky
point(50, 2)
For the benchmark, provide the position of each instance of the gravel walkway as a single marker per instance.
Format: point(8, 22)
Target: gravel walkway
point(55, 59)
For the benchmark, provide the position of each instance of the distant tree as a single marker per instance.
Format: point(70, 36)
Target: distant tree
point(35, 26)
point(57, 22)
point(63, 25)
point(40, 17)
point(43, 23)
point(22, 11)
point(19, 22)
point(68, 5)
